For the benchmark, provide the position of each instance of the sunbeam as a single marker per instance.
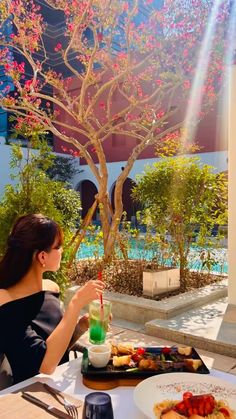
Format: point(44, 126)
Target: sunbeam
point(231, 36)
point(195, 99)
point(230, 94)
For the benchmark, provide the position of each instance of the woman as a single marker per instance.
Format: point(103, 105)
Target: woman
point(34, 333)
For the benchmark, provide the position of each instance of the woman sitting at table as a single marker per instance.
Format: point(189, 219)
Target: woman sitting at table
point(34, 332)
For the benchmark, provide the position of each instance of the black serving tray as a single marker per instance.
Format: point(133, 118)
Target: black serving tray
point(111, 372)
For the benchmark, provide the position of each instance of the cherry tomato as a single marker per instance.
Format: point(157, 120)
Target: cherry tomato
point(136, 357)
point(166, 350)
point(140, 351)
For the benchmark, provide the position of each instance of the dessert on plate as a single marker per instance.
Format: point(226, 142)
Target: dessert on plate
point(194, 407)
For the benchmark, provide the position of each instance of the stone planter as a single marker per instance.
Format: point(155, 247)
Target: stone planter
point(160, 281)
point(141, 310)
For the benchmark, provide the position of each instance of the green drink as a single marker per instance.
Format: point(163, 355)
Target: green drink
point(98, 321)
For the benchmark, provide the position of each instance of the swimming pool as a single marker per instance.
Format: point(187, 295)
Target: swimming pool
point(136, 251)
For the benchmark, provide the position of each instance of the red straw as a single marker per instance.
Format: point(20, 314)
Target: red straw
point(101, 297)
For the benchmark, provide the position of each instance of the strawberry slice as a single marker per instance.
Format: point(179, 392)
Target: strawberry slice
point(181, 408)
point(200, 405)
point(190, 411)
point(208, 408)
point(187, 394)
point(201, 410)
point(224, 411)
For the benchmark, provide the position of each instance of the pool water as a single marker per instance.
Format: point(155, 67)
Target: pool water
point(137, 251)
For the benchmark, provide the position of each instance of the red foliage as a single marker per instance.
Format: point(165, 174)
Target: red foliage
point(131, 66)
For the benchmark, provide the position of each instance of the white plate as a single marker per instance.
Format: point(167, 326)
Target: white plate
point(172, 386)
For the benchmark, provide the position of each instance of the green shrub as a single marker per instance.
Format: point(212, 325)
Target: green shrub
point(181, 201)
point(35, 192)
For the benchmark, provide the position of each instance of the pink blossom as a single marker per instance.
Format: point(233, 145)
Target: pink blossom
point(100, 36)
point(58, 47)
point(186, 84)
point(7, 67)
point(70, 27)
point(160, 114)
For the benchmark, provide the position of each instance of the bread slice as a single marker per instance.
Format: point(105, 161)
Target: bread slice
point(120, 361)
point(192, 364)
point(125, 348)
point(185, 350)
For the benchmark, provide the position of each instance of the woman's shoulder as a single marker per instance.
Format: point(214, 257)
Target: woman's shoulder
point(4, 296)
point(49, 285)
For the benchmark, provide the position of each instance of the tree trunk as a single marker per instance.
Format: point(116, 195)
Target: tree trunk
point(79, 235)
point(116, 218)
point(183, 272)
point(105, 219)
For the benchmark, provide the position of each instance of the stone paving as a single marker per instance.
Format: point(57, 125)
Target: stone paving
point(210, 327)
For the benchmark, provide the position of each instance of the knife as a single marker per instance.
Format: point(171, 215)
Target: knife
point(49, 408)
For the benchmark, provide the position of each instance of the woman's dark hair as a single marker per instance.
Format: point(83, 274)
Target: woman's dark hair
point(31, 233)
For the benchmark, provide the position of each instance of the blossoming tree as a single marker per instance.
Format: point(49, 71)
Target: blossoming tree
point(133, 65)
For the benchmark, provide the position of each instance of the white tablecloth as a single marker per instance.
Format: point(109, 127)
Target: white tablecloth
point(68, 378)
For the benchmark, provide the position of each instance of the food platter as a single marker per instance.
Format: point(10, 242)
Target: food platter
point(166, 364)
point(172, 386)
point(166, 360)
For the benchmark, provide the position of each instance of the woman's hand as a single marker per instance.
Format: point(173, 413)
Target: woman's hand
point(83, 323)
point(90, 291)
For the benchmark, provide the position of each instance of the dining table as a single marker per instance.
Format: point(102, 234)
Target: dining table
point(68, 379)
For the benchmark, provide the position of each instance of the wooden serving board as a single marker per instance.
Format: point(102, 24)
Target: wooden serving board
point(109, 383)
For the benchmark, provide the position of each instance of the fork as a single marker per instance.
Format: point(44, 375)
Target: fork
point(70, 407)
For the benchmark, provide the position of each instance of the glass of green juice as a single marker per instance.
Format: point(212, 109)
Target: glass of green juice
point(98, 320)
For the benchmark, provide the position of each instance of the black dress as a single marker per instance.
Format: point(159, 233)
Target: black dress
point(25, 324)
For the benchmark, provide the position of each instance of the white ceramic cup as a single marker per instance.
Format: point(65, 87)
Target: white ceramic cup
point(99, 355)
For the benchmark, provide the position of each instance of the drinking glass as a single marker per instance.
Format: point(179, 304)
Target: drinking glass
point(98, 320)
point(97, 405)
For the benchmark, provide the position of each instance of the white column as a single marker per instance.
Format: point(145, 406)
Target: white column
point(232, 187)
